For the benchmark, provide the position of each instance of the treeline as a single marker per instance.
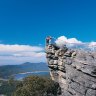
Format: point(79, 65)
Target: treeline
point(30, 86)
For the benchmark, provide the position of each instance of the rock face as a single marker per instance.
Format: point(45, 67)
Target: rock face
point(74, 70)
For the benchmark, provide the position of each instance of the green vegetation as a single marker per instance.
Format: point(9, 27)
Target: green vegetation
point(8, 87)
point(9, 70)
point(30, 86)
point(37, 86)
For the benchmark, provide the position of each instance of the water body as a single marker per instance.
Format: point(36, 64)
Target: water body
point(20, 76)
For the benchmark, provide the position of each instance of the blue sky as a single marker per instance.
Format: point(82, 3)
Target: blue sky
point(28, 22)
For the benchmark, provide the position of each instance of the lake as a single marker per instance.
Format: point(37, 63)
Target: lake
point(20, 76)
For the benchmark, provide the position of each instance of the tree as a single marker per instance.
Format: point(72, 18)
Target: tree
point(37, 86)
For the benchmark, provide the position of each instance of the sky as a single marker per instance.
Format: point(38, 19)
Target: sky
point(24, 24)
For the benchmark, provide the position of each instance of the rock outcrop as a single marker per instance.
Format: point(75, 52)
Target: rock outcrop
point(74, 70)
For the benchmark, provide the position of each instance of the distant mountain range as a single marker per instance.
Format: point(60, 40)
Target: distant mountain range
point(9, 70)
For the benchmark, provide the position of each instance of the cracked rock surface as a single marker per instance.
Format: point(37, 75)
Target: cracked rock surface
point(74, 70)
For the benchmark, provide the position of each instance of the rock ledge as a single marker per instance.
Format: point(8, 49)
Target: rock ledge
point(74, 70)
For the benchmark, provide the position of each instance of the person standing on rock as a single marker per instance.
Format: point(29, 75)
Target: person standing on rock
point(52, 41)
point(48, 38)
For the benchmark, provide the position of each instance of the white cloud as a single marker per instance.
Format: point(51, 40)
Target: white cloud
point(73, 42)
point(62, 40)
point(92, 44)
point(18, 48)
point(16, 54)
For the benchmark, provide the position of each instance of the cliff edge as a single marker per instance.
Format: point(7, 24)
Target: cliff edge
point(74, 70)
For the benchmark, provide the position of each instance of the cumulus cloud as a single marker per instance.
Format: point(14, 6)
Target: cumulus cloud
point(92, 45)
point(62, 40)
point(73, 42)
point(16, 54)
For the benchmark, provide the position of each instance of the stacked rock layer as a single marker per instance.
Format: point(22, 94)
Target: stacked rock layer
point(74, 70)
